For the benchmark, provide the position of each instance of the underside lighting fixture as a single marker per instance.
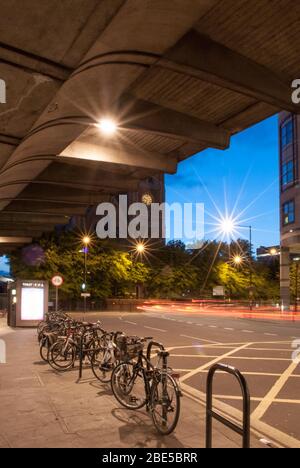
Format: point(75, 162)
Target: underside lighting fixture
point(107, 126)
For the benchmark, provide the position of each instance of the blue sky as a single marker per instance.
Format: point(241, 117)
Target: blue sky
point(3, 266)
point(248, 172)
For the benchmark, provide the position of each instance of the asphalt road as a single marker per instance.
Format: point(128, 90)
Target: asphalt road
point(261, 350)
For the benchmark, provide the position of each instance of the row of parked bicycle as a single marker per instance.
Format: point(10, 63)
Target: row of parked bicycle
point(116, 358)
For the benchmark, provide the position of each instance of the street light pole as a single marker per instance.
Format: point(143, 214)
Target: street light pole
point(85, 275)
point(250, 259)
point(86, 241)
point(228, 226)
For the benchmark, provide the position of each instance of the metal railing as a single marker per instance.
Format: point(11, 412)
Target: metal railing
point(243, 430)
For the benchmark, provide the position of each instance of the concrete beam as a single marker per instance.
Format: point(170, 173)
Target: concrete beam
point(148, 117)
point(33, 63)
point(81, 175)
point(21, 232)
point(62, 195)
point(201, 57)
point(28, 226)
point(49, 208)
point(89, 147)
point(14, 240)
point(33, 218)
point(9, 140)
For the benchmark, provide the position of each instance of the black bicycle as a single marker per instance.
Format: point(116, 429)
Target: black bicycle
point(136, 383)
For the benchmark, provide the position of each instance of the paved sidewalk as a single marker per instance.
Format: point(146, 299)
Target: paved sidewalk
point(42, 408)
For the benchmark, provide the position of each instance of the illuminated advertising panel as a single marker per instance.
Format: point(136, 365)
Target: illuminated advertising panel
point(32, 301)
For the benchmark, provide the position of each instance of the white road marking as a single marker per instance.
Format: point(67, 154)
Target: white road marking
point(131, 323)
point(155, 329)
point(212, 326)
point(218, 359)
point(199, 339)
point(270, 334)
point(270, 397)
point(229, 329)
point(247, 331)
point(259, 399)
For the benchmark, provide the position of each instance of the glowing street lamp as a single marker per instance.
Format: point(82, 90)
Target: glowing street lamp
point(107, 126)
point(86, 240)
point(237, 259)
point(140, 248)
point(227, 226)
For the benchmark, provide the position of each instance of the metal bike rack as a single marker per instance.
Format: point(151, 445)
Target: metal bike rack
point(151, 345)
point(81, 355)
point(243, 430)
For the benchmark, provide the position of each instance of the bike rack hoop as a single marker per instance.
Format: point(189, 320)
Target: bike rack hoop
point(151, 345)
point(243, 430)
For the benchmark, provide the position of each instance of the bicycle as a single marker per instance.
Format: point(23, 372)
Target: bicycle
point(106, 357)
point(139, 383)
point(66, 350)
point(50, 334)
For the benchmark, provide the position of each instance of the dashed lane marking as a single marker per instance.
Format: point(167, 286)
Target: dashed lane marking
point(155, 329)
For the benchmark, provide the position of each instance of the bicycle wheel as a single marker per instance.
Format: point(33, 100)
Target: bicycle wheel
point(93, 345)
point(44, 350)
point(62, 356)
point(165, 404)
point(128, 386)
point(103, 364)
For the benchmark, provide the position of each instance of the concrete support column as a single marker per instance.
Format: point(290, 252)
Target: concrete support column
point(285, 278)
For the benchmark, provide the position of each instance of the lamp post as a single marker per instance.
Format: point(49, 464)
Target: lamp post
point(86, 241)
point(228, 226)
point(139, 250)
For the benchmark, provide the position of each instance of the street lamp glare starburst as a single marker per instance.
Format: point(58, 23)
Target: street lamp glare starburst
point(107, 126)
point(86, 240)
point(237, 259)
point(140, 248)
point(227, 226)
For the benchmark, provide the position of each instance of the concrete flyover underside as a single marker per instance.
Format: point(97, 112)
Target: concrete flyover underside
point(178, 76)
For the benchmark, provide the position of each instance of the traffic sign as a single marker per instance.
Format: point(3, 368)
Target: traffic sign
point(218, 291)
point(57, 281)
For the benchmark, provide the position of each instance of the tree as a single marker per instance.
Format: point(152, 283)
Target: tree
point(172, 271)
point(109, 271)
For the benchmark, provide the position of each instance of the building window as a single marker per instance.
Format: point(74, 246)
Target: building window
point(287, 173)
point(288, 213)
point(287, 133)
